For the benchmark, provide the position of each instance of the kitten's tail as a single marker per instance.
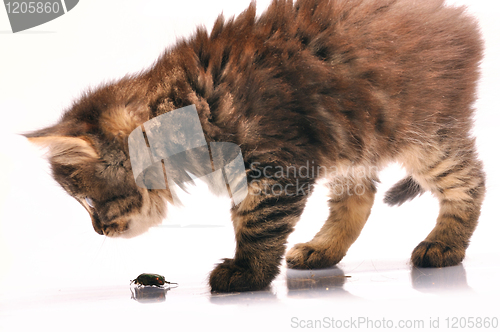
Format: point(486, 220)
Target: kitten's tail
point(405, 190)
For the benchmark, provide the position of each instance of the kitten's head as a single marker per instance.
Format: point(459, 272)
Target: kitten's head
point(89, 157)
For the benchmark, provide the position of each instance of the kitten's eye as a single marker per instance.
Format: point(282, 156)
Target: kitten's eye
point(89, 201)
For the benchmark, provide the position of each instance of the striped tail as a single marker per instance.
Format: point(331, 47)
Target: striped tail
point(405, 190)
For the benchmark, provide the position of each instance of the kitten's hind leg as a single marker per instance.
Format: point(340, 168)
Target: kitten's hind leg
point(350, 204)
point(459, 183)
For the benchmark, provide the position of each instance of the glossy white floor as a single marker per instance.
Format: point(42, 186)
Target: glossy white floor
point(58, 274)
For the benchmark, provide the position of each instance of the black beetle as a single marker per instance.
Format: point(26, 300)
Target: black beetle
point(151, 279)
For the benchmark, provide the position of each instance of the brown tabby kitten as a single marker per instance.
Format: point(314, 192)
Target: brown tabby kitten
point(323, 87)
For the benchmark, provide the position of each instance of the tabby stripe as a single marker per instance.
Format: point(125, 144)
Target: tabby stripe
point(437, 163)
point(271, 202)
point(449, 171)
point(476, 191)
point(273, 214)
point(272, 233)
point(453, 216)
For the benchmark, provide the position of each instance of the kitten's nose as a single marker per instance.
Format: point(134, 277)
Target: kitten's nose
point(98, 231)
point(96, 223)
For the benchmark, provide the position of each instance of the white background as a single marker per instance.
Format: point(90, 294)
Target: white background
point(58, 273)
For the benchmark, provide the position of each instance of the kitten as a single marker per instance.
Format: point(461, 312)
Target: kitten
point(307, 90)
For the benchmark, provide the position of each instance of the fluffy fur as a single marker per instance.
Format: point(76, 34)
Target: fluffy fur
point(314, 85)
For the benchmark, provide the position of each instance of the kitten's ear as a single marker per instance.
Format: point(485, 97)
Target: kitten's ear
point(64, 150)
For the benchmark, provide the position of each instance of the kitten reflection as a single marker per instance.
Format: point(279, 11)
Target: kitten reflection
point(149, 294)
point(244, 298)
point(313, 283)
point(432, 280)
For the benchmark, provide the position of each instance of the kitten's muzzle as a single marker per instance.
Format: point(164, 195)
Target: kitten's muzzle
point(112, 229)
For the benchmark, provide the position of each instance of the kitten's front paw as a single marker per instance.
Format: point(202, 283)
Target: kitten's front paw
point(436, 254)
point(304, 256)
point(231, 277)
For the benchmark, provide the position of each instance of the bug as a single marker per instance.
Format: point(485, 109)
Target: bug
point(151, 279)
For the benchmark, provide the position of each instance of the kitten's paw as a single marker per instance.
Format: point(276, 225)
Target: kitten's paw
point(305, 256)
point(436, 254)
point(230, 277)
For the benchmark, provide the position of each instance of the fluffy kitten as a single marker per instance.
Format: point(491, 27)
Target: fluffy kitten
point(322, 87)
